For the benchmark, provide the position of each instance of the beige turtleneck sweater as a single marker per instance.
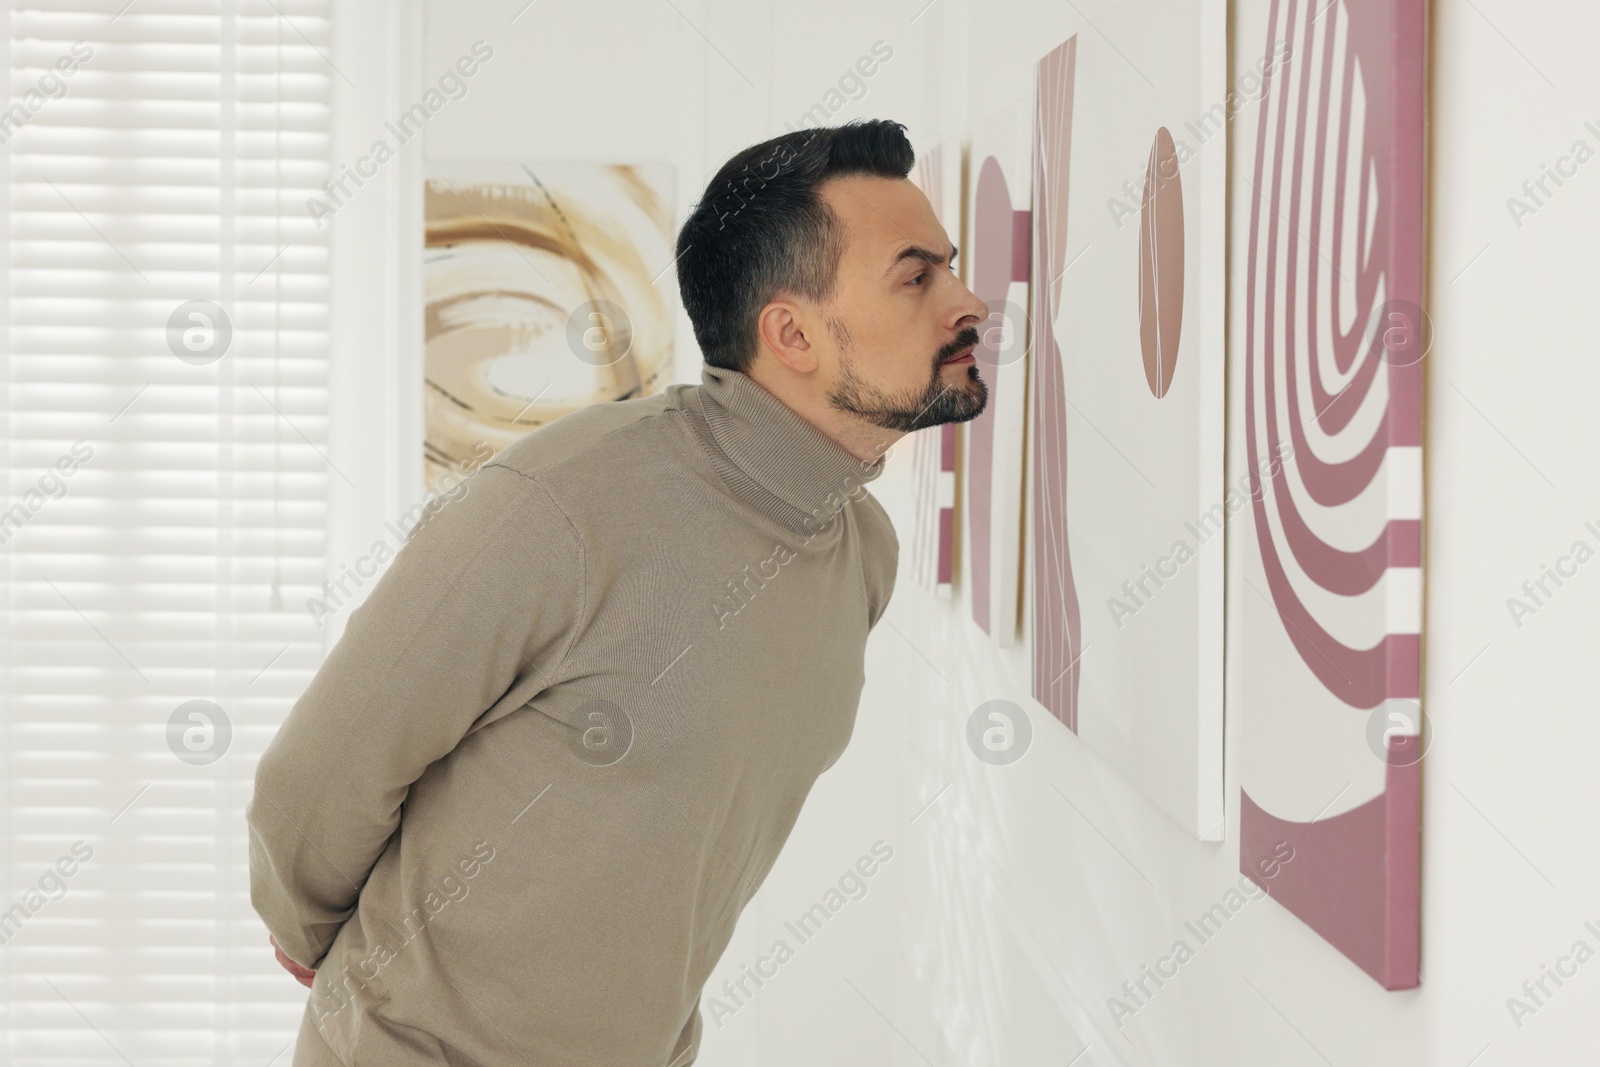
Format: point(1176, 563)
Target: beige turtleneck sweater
point(516, 814)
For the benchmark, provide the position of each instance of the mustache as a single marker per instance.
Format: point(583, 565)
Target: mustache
point(967, 338)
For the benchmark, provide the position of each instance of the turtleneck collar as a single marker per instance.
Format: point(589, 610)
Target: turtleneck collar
point(774, 459)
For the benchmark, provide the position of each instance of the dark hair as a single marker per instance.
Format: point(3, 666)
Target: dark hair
point(761, 229)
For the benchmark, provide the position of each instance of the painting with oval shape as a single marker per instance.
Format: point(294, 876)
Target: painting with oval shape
point(1127, 397)
point(996, 261)
point(541, 298)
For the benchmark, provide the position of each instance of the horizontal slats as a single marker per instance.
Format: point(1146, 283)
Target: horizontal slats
point(174, 163)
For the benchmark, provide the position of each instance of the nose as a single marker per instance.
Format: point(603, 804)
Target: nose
point(968, 306)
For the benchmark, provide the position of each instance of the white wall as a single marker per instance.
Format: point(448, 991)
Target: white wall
point(1020, 900)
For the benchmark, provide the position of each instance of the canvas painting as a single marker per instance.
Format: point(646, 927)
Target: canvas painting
point(996, 250)
point(933, 536)
point(1330, 586)
point(544, 293)
point(1129, 398)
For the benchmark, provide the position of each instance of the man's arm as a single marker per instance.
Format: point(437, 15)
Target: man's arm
point(882, 564)
point(487, 592)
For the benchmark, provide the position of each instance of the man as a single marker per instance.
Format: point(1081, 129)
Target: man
point(516, 814)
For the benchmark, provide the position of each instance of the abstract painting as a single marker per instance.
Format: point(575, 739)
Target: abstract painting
point(996, 250)
point(1331, 577)
point(1129, 398)
point(933, 538)
point(540, 284)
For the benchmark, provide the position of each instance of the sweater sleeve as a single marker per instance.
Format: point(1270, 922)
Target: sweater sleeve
point(486, 594)
point(883, 562)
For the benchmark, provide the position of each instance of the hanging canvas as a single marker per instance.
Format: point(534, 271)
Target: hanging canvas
point(1129, 395)
point(933, 537)
point(542, 297)
point(1330, 584)
point(996, 251)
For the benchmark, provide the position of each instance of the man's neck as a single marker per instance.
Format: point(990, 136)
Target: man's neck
point(862, 439)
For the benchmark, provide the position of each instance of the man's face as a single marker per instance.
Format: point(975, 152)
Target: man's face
point(901, 326)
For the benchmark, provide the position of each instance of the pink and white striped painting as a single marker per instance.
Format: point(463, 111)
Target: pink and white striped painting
point(1330, 584)
point(996, 251)
point(933, 464)
point(1129, 398)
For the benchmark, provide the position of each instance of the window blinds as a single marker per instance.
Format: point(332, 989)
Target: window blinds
point(166, 497)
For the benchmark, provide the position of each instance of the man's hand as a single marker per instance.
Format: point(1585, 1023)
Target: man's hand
point(301, 974)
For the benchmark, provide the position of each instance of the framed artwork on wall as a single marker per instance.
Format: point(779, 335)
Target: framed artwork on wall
point(1129, 397)
point(1329, 590)
point(539, 282)
point(996, 251)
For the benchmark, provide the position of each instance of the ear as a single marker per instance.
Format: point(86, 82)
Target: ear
point(785, 331)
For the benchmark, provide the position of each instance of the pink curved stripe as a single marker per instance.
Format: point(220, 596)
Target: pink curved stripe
point(1329, 484)
point(1360, 677)
point(1335, 410)
point(1348, 573)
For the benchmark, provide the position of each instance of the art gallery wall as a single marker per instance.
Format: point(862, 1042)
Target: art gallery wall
point(1053, 881)
point(1020, 898)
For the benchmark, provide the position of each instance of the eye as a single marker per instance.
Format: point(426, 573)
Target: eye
point(925, 274)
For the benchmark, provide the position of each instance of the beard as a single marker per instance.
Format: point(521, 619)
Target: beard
point(934, 404)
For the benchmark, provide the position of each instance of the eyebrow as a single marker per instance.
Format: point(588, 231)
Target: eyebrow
point(927, 255)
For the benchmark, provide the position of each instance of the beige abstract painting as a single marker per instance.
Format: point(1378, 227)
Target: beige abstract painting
point(547, 289)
